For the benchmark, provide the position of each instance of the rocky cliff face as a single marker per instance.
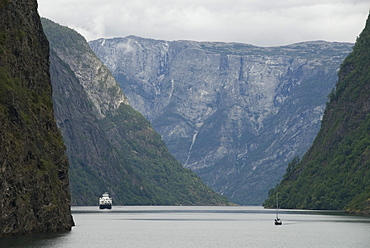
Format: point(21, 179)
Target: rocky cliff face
point(233, 113)
point(34, 191)
point(112, 147)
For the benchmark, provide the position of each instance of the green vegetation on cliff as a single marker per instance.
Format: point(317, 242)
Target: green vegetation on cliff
point(335, 172)
point(34, 193)
point(116, 149)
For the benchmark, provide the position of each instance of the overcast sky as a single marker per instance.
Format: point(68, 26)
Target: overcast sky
point(257, 22)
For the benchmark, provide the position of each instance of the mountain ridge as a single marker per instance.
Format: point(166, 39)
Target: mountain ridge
point(233, 113)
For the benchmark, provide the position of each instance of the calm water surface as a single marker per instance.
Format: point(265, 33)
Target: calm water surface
point(194, 227)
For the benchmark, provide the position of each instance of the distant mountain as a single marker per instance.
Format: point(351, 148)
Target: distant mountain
point(34, 193)
point(335, 172)
point(233, 113)
point(112, 147)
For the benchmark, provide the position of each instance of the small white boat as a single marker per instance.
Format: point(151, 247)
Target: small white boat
point(105, 201)
point(278, 221)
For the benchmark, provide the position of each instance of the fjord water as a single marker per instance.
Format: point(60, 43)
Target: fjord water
point(241, 226)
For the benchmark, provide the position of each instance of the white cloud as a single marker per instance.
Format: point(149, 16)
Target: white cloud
point(125, 47)
point(258, 22)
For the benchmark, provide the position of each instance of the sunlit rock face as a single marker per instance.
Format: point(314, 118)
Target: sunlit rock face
point(235, 114)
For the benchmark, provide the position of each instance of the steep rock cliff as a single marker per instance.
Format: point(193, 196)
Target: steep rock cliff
point(233, 113)
point(34, 193)
point(335, 171)
point(112, 147)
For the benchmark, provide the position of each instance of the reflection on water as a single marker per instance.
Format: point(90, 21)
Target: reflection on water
point(33, 240)
point(167, 226)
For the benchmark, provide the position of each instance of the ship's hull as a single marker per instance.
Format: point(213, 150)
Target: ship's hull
point(105, 206)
